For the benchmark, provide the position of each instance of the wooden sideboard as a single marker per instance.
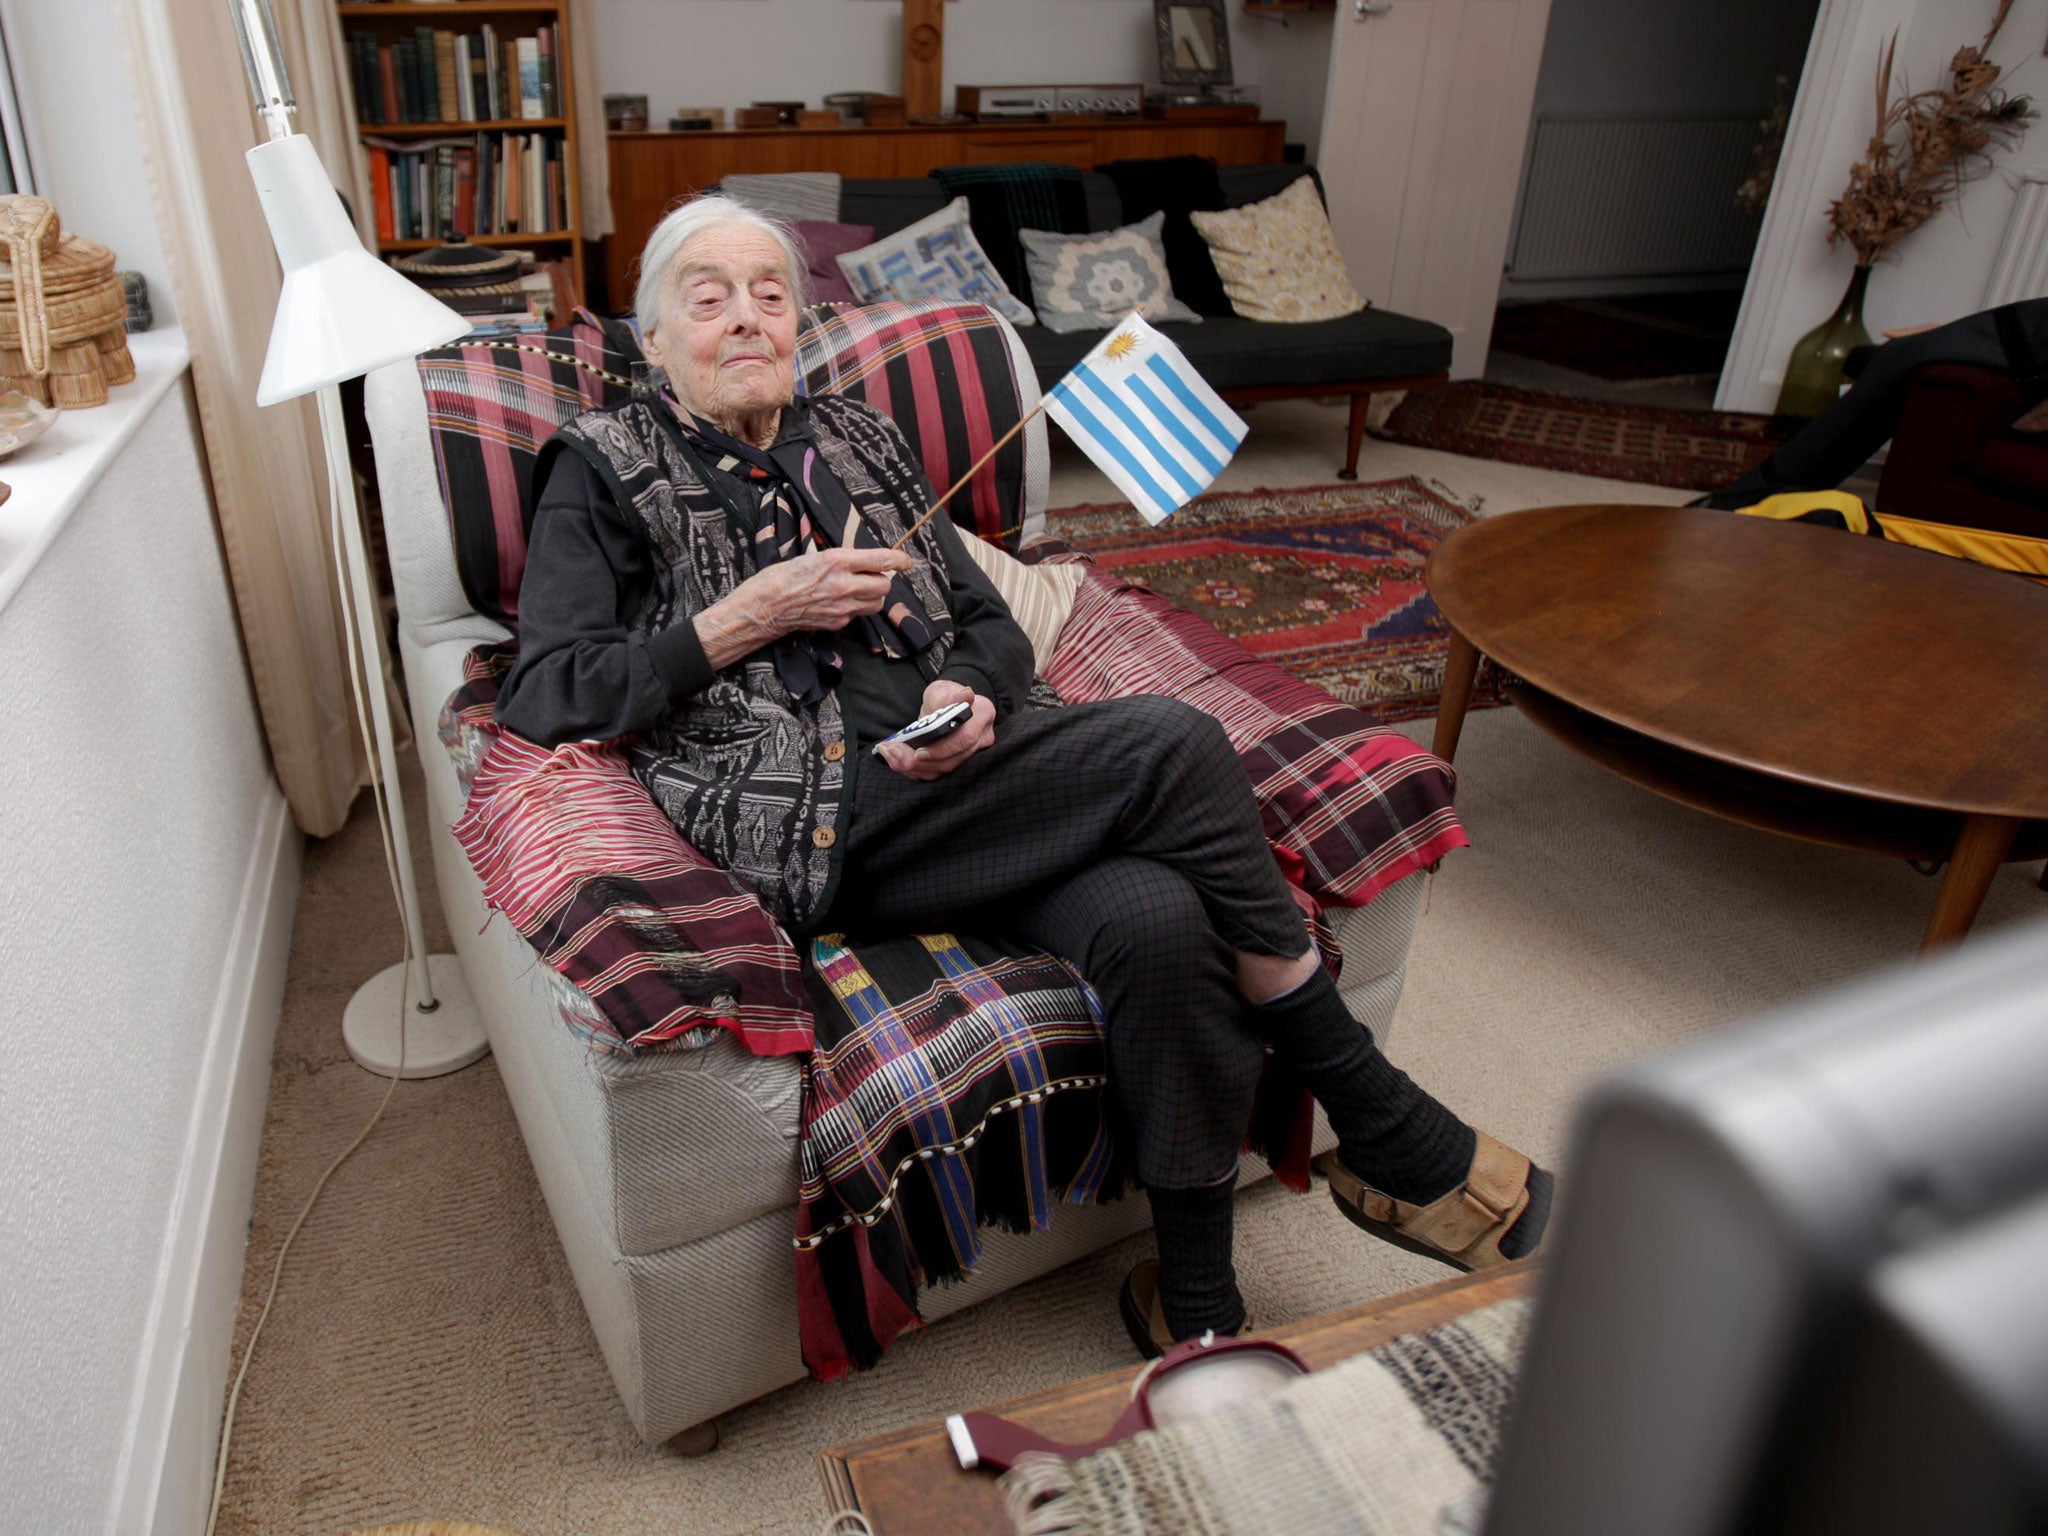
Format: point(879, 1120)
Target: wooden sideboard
point(650, 171)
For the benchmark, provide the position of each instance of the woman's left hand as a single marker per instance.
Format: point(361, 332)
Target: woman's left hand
point(949, 752)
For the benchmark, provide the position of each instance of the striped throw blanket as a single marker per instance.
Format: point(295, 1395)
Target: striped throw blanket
point(1004, 199)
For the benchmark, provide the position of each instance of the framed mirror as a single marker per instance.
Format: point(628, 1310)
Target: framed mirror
point(1194, 43)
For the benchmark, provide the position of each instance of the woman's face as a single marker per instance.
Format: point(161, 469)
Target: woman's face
point(726, 334)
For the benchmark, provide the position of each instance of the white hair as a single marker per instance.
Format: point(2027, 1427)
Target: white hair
point(683, 224)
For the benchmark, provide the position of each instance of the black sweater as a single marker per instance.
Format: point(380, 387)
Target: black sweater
point(582, 674)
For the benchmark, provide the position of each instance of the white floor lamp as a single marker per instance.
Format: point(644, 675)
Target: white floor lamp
point(341, 314)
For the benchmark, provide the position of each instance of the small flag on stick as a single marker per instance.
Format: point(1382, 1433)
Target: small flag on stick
point(1150, 422)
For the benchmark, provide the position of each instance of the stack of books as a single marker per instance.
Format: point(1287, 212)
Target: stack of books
point(497, 183)
point(439, 76)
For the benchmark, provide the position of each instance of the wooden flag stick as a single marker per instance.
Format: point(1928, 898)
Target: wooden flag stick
point(972, 471)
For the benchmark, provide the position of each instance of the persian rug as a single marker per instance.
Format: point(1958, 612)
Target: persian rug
point(1325, 582)
point(1650, 444)
point(1400, 1441)
point(1619, 339)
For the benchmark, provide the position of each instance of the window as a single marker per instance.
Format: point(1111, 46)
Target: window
point(17, 174)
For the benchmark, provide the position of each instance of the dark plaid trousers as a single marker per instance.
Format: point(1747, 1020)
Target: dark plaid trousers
point(1122, 835)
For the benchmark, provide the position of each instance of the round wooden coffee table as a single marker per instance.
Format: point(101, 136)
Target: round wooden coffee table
point(1809, 682)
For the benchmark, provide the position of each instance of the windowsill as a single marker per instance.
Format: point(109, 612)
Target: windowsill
point(53, 475)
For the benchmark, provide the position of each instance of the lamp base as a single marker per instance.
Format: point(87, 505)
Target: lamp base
point(446, 1040)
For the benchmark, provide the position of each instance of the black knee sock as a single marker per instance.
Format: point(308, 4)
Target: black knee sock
point(1197, 1283)
point(1389, 1132)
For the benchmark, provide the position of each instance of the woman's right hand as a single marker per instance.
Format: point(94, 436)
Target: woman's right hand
point(821, 589)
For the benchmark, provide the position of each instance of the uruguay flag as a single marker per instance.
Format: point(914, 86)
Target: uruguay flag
point(1147, 419)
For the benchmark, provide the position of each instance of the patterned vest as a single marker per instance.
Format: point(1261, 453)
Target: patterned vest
point(751, 778)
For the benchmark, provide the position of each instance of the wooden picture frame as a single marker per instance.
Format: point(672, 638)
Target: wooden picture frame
point(1194, 43)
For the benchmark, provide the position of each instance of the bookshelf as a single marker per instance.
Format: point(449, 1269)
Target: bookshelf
point(466, 113)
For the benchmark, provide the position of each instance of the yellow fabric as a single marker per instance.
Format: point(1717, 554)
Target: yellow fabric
point(2006, 551)
point(2001, 551)
point(1791, 505)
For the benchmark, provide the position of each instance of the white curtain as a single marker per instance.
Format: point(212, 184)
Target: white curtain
point(266, 465)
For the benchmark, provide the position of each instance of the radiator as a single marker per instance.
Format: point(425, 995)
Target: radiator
point(1617, 196)
point(2021, 270)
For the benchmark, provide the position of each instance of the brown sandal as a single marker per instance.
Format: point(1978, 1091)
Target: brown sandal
point(1462, 1228)
point(1144, 1317)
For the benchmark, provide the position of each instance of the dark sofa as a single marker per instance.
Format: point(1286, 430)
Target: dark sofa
point(1243, 360)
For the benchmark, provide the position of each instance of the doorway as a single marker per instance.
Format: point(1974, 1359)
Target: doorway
point(1655, 125)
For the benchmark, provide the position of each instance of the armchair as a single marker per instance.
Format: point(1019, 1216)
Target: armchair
point(672, 1177)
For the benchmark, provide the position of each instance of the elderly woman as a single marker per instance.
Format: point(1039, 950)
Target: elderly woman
point(714, 570)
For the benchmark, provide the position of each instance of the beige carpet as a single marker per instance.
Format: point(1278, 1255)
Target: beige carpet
point(428, 1357)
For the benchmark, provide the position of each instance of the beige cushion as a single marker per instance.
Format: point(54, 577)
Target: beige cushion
point(1278, 259)
point(1040, 596)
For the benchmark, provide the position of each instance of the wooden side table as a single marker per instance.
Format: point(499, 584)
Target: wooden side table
point(908, 1483)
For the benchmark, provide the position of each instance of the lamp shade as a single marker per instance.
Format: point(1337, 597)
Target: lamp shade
point(342, 311)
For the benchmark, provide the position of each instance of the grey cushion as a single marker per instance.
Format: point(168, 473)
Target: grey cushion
point(1232, 352)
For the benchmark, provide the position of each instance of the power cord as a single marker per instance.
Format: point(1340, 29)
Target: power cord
point(340, 497)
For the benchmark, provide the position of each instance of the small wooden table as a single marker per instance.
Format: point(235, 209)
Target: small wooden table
point(908, 1482)
point(1808, 682)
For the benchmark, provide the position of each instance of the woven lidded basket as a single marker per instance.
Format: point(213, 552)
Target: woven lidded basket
point(63, 315)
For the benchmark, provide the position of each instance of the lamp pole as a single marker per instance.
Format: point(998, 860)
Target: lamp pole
point(340, 314)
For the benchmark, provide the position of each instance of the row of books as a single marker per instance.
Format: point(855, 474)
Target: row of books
point(492, 184)
point(439, 76)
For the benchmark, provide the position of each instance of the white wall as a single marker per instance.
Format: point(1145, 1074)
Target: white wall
point(1293, 59)
point(1937, 273)
point(87, 158)
point(727, 53)
point(1670, 57)
point(143, 847)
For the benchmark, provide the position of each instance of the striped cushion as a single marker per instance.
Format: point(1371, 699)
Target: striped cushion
point(1039, 596)
point(490, 406)
point(944, 373)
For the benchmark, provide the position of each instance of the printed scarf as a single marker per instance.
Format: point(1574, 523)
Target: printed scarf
point(798, 504)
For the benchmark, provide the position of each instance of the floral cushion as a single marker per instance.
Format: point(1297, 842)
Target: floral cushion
point(1089, 282)
point(1278, 259)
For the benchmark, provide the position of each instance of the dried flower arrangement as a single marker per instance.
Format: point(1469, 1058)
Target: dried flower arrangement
point(1927, 147)
point(1755, 192)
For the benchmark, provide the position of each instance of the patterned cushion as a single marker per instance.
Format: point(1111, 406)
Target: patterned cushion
point(935, 258)
point(1039, 596)
point(1089, 282)
point(943, 372)
point(490, 406)
point(1278, 259)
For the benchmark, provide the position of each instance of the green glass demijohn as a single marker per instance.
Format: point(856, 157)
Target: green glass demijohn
point(1813, 374)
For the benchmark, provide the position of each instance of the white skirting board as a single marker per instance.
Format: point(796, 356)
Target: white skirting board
point(165, 1477)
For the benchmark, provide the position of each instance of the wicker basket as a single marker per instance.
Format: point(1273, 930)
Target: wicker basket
point(63, 315)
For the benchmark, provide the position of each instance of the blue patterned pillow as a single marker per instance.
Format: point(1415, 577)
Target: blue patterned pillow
point(1090, 282)
point(935, 258)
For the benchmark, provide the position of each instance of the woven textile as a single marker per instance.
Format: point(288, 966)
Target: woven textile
point(1654, 445)
point(1005, 200)
point(944, 374)
point(1325, 582)
point(582, 862)
point(954, 1086)
point(490, 406)
point(1398, 1442)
